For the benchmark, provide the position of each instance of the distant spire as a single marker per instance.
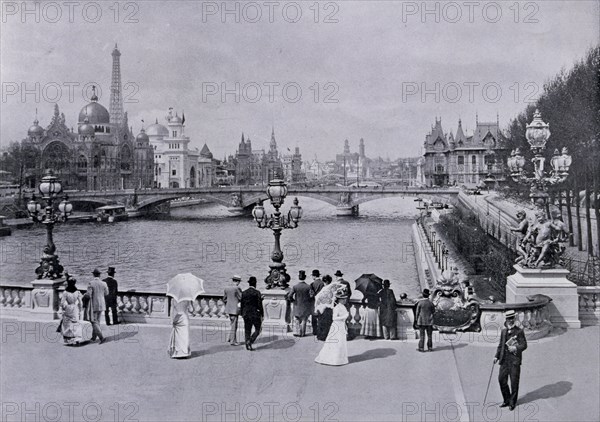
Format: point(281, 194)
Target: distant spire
point(156, 121)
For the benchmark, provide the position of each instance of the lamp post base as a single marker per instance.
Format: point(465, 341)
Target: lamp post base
point(44, 298)
point(278, 276)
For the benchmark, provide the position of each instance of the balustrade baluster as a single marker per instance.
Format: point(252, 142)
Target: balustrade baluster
point(2, 297)
point(144, 307)
point(17, 301)
point(120, 304)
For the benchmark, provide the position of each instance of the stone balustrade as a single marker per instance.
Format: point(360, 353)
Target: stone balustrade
point(208, 309)
point(589, 305)
point(532, 316)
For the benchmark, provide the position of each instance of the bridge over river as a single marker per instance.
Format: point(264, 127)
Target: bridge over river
point(240, 199)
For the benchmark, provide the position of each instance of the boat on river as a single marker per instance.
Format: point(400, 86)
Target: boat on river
point(111, 214)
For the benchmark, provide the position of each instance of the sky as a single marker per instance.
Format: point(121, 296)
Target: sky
point(318, 72)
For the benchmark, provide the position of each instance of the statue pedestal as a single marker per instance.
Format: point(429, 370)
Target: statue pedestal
point(44, 298)
point(277, 309)
point(564, 308)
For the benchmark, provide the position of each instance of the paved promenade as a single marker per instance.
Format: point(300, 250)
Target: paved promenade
point(131, 378)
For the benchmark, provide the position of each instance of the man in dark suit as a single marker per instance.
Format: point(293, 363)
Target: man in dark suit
point(424, 321)
point(304, 304)
point(508, 355)
point(338, 274)
point(315, 288)
point(111, 297)
point(231, 298)
point(252, 312)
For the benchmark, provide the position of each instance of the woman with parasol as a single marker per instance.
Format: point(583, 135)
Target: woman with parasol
point(183, 288)
point(335, 350)
point(370, 286)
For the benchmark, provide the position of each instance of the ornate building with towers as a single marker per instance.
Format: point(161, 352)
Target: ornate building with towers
point(102, 153)
point(176, 165)
point(354, 165)
point(463, 159)
point(256, 166)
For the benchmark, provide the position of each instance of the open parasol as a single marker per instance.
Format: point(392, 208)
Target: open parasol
point(326, 297)
point(368, 284)
point(185, 287)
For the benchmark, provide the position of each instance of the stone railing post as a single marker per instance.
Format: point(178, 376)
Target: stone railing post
point(589, 305)
point(45, 298)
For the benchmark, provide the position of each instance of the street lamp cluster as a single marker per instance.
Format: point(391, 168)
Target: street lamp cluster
point(537, 134)
point(277, 192)
point(50, 188)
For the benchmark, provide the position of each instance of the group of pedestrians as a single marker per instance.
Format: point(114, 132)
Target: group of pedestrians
point(100, 298)
point(248, 304)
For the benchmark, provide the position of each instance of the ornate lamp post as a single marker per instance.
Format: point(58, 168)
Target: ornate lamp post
point(537, 134)
point(277, 191)
point(50, 187)
point(545, 249)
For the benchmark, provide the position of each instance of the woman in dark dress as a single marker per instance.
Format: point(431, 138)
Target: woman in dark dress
point(325, 317)
point(387, 311)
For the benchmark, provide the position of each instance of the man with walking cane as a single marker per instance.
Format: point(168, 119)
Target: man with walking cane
point(508, 355)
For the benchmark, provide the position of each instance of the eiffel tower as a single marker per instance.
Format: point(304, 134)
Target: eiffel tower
point(116, 100)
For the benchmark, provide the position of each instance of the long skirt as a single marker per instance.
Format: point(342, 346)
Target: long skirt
point(70, 327)
point(179, 346)
point(370, 324)
point(335, 349)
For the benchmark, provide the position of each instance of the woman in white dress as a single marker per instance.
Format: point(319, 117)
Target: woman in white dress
point(71, 305)
point(179, 346)
point(335, 350)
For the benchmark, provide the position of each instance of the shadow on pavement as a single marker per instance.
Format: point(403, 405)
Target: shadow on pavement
point(372, 354)
point(449, 347)
point(547, 391)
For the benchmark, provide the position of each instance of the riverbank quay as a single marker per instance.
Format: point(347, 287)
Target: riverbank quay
point(133, 379)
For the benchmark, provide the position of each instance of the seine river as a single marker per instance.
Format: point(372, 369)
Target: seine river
point(208, 242)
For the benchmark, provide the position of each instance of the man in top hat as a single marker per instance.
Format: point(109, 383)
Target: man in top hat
point(304, 304)
point(315, 287)
point(252, 312)
point(111, 297)
point(338, 274)
point(508, 355)
point(232, 297)
point(99, 290)
point(424, 321)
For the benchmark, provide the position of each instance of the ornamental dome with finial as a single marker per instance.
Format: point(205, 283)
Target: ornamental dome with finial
point(35, 130)
point(94, 112)
point(157, 130)
point(175, 119)
point(86, 129)
point(142, 137)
